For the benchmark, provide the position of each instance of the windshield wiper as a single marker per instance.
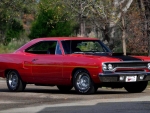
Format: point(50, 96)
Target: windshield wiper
point(97, 53)
point(92, 53)
point(78, 52)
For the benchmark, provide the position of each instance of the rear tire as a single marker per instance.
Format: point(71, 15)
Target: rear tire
point(14, 82)
point(83, 83)
point(136, 87)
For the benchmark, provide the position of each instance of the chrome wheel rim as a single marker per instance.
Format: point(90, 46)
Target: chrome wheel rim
point(83, 81)
point(13, 80)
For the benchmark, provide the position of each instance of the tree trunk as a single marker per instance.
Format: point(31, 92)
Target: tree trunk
point(82, 21)
point(112, 37)
point(109, 36)
point(124, 42)
point(82, 27)
point(123, 36)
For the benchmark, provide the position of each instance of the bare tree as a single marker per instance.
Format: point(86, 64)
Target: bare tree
point(144, 6)
point(104, 14)
point(147, 15)
point(111, 14)
point(79, 9)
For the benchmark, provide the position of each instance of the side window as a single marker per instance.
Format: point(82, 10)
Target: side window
point(67, 46)
point(82, 46)
point(43, 47)
point(58, 50)
point(90, 46)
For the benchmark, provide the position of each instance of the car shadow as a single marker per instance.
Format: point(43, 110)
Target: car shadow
point(54, 90)
point(73, 92)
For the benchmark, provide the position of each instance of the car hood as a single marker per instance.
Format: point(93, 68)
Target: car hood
point(113, 58)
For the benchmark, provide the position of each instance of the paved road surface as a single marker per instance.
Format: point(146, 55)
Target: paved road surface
point(39, 99)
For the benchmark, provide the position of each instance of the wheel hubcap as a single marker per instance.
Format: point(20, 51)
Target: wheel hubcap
point(83, 82)
point(13, 80)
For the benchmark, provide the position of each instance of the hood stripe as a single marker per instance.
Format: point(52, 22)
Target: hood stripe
point(127, 58)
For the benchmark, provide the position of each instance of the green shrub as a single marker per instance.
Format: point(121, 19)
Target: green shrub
point(51, 23)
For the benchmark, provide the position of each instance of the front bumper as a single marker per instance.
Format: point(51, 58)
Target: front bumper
point(115, 77)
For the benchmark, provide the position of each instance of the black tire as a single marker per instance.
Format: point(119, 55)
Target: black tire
point(83, 83)
point(64, 88)
point(96, 88)
point(136, 87)
point(14, 82)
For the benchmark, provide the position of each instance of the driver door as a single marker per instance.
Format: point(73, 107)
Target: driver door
point(47, 63)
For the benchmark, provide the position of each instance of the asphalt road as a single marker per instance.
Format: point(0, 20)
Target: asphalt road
point(44, 99)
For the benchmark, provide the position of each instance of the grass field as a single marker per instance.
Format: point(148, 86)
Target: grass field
point(12, 46)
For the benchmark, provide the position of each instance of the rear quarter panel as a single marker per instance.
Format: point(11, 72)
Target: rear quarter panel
point(16, 62)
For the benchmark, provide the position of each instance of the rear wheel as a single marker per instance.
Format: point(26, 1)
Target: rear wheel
point(64, 88)
point(83, 83)
point(14, 83)
point(136, 87)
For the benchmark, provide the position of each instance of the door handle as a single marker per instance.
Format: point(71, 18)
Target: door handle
point(34, 60)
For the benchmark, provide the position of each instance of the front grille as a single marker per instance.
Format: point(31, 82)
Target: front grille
point(126, 66)
point(130, 71)
point(129, 64)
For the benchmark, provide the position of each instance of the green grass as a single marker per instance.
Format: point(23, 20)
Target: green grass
point(13, 45)
point(148, 82)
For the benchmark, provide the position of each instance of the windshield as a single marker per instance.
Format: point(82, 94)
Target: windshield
point(84, 46)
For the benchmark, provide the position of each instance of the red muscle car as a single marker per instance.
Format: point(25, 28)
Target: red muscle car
point(83, 63)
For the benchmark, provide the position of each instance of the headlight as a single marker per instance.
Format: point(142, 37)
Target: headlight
point(148, 66)
point(110, 67)
point(104, 67)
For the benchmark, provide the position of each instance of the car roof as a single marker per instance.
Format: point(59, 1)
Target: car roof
point(64, 38)
point(50, 39)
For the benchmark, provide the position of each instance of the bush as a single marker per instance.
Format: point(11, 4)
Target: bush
point(50, 23)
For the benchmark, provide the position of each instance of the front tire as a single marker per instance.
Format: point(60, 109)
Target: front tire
point(14, 82)
point(136, 87)
point(83, 83)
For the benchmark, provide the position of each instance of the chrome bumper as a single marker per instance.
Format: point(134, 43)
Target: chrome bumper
point(115, 77)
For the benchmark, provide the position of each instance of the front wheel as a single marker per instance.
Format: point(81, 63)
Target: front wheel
point(14, 83)
point(136, 87)
point(83, 83)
